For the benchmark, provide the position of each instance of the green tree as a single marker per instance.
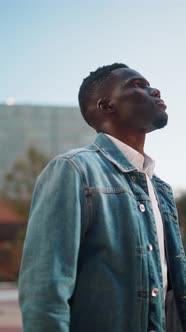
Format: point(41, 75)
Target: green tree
point(181, 207)
point(19, 181)
point(17, 190)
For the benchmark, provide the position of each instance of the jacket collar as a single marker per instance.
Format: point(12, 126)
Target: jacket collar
point(105, 145)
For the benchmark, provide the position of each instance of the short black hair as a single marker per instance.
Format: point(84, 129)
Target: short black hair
point(97, 80)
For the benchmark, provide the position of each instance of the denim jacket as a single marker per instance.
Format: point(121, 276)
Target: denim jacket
point(91, 260)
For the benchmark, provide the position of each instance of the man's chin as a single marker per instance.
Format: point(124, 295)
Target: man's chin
point(159, 123)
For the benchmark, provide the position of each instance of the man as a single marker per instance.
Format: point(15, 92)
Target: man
point(103, 246)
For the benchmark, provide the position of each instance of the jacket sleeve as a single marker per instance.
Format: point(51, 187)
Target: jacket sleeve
point(49, 262)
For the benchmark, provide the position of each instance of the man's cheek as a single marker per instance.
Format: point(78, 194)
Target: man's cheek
point(137, 95)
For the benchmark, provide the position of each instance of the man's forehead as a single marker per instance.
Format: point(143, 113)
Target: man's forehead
point(127, 73)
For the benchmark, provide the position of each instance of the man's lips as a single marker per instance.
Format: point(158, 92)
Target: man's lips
point(161, 103)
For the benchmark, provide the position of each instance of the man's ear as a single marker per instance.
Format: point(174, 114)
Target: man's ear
point(104, 105)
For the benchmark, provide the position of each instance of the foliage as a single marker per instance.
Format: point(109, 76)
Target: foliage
point(181, 207)
point(17, 190)
point(20, 180)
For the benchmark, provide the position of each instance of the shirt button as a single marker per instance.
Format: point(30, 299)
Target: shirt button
point(150, 247)
point(155, 292)
point(133, 178)
point(142, 207)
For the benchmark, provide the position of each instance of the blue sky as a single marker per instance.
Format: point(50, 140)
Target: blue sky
point(48, 47)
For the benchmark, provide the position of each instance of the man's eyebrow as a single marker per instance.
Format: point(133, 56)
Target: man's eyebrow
point(138, 79)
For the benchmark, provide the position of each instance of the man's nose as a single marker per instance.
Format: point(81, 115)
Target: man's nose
point(155, 92)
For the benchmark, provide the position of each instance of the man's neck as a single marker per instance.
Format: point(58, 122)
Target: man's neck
point(136, 140)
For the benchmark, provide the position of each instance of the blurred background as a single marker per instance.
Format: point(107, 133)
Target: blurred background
point(47, 48)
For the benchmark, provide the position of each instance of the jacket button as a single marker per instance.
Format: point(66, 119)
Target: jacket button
point(155, 292)
point(150, 247)
point(133, 178)
point(142, 207)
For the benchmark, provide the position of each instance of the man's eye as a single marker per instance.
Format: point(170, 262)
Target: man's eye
point(136, 84)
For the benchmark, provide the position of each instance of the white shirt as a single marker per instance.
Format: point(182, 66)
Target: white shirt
point(146, 165)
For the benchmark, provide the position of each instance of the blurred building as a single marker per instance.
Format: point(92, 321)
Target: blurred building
point(51, 129)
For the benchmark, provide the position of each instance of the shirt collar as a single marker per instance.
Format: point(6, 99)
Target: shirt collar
point(143, 163)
